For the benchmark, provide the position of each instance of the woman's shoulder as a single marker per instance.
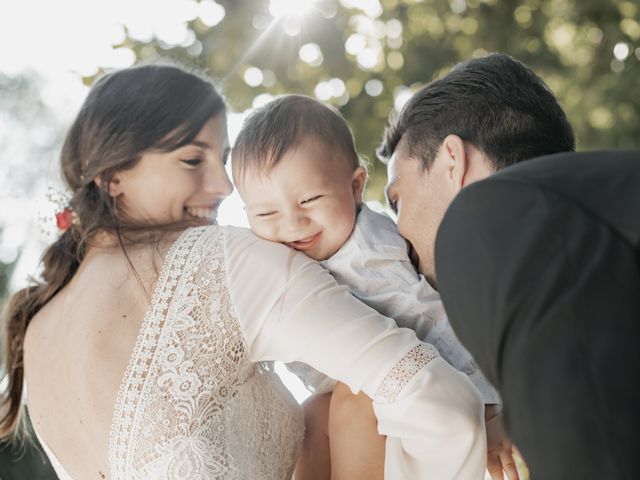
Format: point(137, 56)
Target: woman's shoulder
point(236, 246)
point(246, 254)
point(240, 240)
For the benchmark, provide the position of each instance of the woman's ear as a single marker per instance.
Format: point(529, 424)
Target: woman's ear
point(115, 187)
point(358, 181)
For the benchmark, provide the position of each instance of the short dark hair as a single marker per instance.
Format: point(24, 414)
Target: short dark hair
point(496, 103)
point(270, 131)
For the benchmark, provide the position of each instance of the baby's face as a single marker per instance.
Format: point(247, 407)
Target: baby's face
point(307, 201)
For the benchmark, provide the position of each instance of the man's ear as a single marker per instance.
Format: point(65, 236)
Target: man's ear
point(358, 181)
point(115, 185)
point(456, 160)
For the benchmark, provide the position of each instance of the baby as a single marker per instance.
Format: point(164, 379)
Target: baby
point(297, 170)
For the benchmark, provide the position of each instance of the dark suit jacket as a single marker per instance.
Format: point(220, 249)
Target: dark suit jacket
point(539, 270)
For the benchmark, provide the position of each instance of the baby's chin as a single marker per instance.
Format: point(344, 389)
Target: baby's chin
point(317, 258)
point(314, 254)
point(321, 254)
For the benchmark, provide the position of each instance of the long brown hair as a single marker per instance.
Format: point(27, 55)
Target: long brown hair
point(126, 113)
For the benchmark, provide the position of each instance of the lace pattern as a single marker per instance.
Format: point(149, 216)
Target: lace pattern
point(191, 404)
point(403, 371)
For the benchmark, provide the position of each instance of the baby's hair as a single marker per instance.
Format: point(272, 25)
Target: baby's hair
point(275, 128)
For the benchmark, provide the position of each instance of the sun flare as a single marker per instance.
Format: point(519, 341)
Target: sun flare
point(289, 8)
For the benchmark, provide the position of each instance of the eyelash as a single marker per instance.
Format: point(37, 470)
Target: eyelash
point(304, 202)
point(192, 162)
point(308, 200)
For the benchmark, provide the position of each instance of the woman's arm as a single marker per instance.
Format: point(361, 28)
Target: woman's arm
point(291, 309)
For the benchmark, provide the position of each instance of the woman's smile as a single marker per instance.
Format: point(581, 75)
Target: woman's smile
point(205, 213)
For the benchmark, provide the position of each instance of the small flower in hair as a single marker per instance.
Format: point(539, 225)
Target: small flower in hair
point(63, 214)
point(64, 219)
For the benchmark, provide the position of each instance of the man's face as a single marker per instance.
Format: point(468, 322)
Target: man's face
point(420, 198)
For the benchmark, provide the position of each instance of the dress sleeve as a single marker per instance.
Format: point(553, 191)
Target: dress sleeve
point(292, 309)
point(375, 265)
point(408, 298)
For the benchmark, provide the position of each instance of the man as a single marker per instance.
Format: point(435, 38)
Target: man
point(485, 114)
point(539, 269)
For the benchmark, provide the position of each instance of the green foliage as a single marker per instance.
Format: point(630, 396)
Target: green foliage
point(570, 43)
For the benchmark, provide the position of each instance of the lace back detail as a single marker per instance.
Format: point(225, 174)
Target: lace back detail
point(191, 404)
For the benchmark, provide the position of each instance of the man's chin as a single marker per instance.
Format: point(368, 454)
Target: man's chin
point(431, 280)
point(413, 256)
point(429, 272)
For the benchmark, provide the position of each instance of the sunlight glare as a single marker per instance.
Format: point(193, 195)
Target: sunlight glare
point(310, 53)
point(372, 8)
point(373, 87)
point(401, 96)
point(253, 76)
point(323, 91)
point(338, 87)
point(261, 100)
point(289, 8)
point(211, 13)
point(367, 58)
point(621, 51)
point(355, 43)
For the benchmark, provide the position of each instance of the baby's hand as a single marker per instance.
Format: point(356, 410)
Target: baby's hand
point(499, 447)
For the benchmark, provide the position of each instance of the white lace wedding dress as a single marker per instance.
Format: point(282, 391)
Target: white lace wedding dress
point(197, 401)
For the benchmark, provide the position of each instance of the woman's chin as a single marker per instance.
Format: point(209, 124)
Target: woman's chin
point(200, 221)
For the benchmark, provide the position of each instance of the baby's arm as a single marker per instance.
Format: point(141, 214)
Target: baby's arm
point(291, 309)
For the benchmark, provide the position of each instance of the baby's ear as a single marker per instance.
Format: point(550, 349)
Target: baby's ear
point(358, 181)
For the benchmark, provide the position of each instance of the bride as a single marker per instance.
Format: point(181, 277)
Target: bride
point(144, 346)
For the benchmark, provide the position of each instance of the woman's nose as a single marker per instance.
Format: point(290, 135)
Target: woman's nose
point(216, 181)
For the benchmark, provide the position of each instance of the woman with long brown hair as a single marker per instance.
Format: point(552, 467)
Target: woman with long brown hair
point(142, 346)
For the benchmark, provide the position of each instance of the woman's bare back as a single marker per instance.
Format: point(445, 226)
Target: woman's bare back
point(76, 351)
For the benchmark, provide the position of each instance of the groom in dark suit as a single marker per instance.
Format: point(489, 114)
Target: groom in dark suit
point(539, 270)
point(484, 115)
point(538, 264)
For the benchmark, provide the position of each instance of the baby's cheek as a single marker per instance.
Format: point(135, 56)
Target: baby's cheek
point(344, 224)
point(263, 231)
